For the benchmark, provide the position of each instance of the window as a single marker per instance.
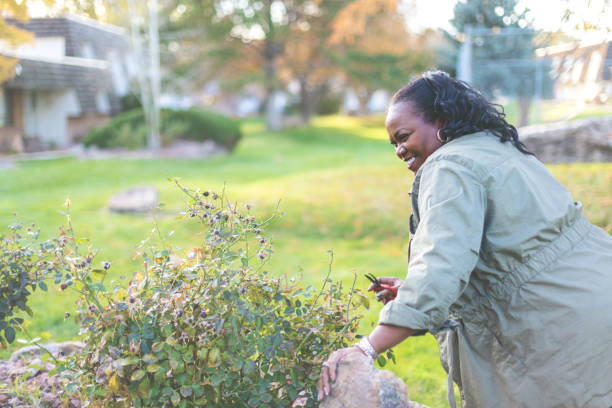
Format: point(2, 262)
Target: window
point(6, 108)
point(87, 50)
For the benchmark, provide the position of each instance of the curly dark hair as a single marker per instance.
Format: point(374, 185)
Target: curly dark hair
point(459, 107)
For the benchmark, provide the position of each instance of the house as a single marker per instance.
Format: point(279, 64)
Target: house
point(583, 70)
point(68, 80)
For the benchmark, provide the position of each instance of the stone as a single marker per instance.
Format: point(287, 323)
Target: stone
point(57, 349)
point(134, 200)
point(11, 140)
point(360, 385)
point(588, 140)
point(26, 371)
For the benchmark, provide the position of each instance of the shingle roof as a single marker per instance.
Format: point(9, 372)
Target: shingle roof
point(48, 75)
point(77, 31)
point(86, 78)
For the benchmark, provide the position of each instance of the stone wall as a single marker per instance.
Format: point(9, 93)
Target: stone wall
point(588, 140)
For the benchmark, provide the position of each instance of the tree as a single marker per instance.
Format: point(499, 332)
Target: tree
point(276, 43)
point(384, 57)
point(502, 50)
point(11, 35)
point(233, 39)
point(306, 59)
point(142, 19)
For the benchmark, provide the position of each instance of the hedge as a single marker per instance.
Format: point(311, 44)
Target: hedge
point(128, 130)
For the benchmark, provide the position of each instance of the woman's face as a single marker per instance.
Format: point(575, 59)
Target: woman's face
point(412, 136)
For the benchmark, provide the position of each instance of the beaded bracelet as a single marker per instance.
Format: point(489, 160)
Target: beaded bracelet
point(366, 347)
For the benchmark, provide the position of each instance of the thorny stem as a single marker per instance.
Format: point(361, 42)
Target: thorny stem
point(303, 342)
point(91, 296)
point(331, 261)
point(37, 344)
point(348, 304)
point(346, 326)
point(76, 247)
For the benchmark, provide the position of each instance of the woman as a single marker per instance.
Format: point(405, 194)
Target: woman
point(504, 270)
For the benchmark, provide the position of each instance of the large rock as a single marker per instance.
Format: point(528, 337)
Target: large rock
point(588, 140)
point(135, 200)
point(360, 385)
point(33, 378)
point(58, 350)
point(11, 140)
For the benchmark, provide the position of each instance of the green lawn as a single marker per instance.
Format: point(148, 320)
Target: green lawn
point(340, 187)
point(555, 111)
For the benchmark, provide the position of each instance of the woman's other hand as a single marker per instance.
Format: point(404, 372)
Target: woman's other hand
point(386, 295)
point(328, 371)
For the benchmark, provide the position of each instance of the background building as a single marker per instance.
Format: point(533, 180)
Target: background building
point(68, 80)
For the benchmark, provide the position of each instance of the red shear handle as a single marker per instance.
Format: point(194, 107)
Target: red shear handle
point(380, 288)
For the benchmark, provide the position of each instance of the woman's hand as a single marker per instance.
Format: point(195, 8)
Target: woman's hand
point(386, 295)
point(328, 371)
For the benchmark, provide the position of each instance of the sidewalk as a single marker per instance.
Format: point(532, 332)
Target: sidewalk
point(179, 150)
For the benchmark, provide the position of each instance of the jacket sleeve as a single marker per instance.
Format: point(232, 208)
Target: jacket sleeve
point(445, 246)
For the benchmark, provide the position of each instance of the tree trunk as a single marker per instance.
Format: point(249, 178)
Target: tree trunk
point(273, 115)
point(154, 139)
point(307, 101)
point(363, 95)
point(524, 102)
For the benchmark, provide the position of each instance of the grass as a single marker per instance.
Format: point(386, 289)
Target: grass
point(555, 111)
point(340, 188)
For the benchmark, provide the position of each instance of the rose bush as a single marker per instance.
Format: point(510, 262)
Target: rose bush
point(208, 328)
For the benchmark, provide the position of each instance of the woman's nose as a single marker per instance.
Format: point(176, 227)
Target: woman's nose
point(400, 150)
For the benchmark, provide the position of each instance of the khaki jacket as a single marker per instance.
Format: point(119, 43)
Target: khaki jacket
point(510, 277)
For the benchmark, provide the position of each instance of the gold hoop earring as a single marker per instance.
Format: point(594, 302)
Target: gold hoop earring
point(439, 137)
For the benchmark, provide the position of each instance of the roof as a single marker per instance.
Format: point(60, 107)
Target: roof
point(77, 31)
point(84, 67)
point(38, 74)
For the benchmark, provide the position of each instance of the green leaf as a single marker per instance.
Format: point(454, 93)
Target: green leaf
point(382, 361)
point(149, 358)
point(186, 391)
point(153, 368)
point(129, 361)
point(137, 375)
point(72, 388)
point(216, 379)
point(157, 347)
point(9, 334)
point(42, 286)
point(175, 398)
point(253, 401)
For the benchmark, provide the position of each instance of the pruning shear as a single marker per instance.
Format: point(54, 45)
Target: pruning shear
point(379, 287)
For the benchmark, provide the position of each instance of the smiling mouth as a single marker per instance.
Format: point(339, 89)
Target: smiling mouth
point(410, 161)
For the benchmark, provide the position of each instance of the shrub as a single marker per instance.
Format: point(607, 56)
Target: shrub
point(129, 130)
point(211, 329)
point(22, 264)
point(329, 104)
point(129, 101)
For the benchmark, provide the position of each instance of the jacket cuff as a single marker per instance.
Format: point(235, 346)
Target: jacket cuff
point(398, 314)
